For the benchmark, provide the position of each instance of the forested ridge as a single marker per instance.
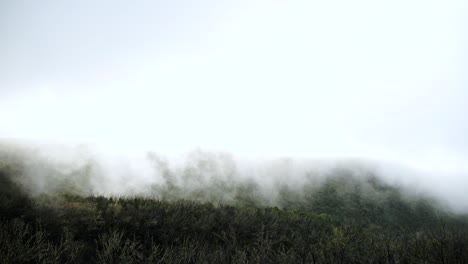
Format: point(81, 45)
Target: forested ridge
point(342, 220)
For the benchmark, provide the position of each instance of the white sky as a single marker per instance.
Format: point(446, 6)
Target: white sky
point(375, 79)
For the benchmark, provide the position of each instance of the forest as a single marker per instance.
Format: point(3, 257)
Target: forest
point(343, 219)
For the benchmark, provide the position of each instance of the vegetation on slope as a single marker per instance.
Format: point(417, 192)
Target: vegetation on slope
point(345, 219)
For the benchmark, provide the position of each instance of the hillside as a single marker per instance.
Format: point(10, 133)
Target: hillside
point(345, 219)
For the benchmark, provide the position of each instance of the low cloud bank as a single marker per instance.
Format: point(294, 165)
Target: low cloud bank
point(52, 168)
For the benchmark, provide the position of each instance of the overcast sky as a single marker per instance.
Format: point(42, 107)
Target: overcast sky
point(375, 79)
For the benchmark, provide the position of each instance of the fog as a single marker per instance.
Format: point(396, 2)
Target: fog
point(263, 80)
point(211, 176)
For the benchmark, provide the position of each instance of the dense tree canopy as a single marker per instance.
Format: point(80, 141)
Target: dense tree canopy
point(343, 220)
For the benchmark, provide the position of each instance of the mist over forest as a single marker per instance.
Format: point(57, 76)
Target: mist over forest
point(74, 204)
point(249, 131)
point(203, 175)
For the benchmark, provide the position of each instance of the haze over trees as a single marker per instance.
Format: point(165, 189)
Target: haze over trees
point(346, 120)
point(349, 216)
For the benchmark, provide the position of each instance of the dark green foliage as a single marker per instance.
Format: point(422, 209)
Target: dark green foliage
point(343, 220)
point(20, 243)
